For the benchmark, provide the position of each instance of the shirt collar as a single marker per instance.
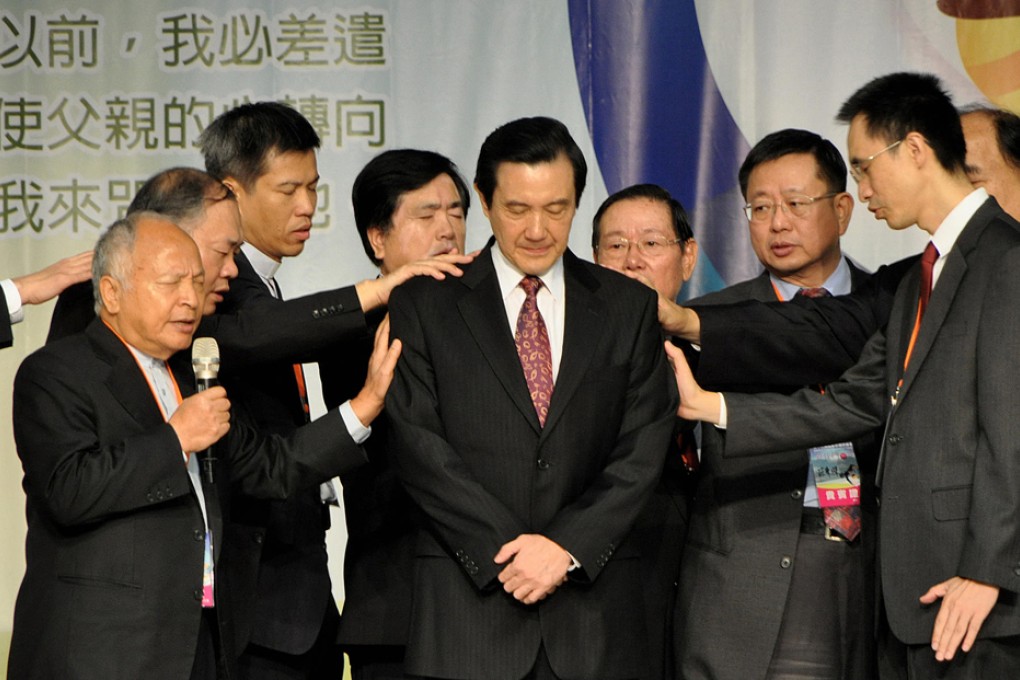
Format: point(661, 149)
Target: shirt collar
point(838, 283)
point(263, 265)
point(510, 276)
point(952, 226)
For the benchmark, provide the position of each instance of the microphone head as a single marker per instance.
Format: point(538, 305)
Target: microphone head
point(205, 358)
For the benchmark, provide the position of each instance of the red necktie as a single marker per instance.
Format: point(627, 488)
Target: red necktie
point(533, 349)
point(931, 254)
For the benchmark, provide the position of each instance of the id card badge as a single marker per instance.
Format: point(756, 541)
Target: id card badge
point(837, 475)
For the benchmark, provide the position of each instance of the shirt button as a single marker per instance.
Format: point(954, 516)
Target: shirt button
point(785, 562)
point(543, 464)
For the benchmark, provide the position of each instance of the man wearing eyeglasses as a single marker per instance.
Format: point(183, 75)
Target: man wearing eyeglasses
point(642, 231)
point(763, 571)
point(942, 377)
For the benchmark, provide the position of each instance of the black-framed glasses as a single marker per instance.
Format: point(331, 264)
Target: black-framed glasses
point(796, 205)
point(859, 169)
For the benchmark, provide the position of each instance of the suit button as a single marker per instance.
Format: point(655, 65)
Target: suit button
point(878, 502)
point(199, 535)
point(543, 464)
point(894, 439)
point(797, 493)
point(316, 314)
point(149, 497)
point(459, 553)
point(785, 562)
point(1017, 571)
point(197, 595)
point(257, 537)
point(472, 570)
point(339, 308)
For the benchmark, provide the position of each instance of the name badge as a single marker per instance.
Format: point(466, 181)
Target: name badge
point(837, 475)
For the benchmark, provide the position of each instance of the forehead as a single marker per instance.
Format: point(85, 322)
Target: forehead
point(289, 165)
point(220, 221)
point(637, 214)
point(792, 171)
point(543, 177)
point(979, 133)
point(861, 143)
point(439, 187)
point(161, 247)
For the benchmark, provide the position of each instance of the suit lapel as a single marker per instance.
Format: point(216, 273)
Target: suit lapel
point(483, 312)
point(581, 333)
point(942, 296)
point(125, 381)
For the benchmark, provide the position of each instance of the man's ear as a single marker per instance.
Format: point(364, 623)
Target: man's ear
point(377, 239)
point(481, 201)
point(110, 290)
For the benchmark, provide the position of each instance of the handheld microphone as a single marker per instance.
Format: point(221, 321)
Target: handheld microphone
point(205, 360)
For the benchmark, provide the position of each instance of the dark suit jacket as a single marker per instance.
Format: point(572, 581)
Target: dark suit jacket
point(275, 549)
point(784, 345)
point(112, 585)
point(949, 474)
point(469, 449)
point(745, 519)
point(378, 561)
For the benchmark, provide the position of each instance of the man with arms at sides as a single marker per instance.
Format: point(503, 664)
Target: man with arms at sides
point(763, 571)
point(409, 205)
point(36, 288)
point(943, 378)
point(529, 419)
point(644, 232)
point(265, 153)
point(831, 332)
point(124, 532)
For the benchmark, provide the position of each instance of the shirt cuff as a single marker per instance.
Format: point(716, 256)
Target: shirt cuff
point(14, 308)
point(359, 433)
point(723, 415)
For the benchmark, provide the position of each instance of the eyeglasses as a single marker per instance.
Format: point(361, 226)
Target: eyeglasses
point(796, 205)
point(859, 169)
point(650, 247)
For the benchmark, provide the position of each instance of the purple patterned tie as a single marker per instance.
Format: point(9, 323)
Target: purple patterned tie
point(532, 341)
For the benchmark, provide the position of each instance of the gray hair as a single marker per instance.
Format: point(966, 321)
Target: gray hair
point(112, 255)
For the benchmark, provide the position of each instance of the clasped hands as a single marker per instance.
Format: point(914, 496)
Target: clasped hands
point(535, 567)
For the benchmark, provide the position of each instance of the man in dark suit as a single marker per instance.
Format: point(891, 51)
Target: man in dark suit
point(265, 154)
point(36, 288)
point(642, 231)
point(124, 533)
point(531, 462)
point(409, 206)
point(830, 333)
point(759, 551)
point(942, 377)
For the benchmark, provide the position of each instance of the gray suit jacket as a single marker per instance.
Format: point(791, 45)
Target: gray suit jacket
point(468, 447)
point(745, 520)
point(950, 465)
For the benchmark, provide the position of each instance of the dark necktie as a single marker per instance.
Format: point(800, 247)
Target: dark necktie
point(843, 519)
point(533, 349)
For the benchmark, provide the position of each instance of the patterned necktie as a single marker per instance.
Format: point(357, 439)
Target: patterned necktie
point(533, 348)
point(844, 519)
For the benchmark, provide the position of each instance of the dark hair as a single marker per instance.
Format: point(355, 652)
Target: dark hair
point(237, 143)
point(381, 184)
point(1007, 130)
point(652, 192)
point(831, 167)
point(180, 194)
point(530, 141)
point(897, 104)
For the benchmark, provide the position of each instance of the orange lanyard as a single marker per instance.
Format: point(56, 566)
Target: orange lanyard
point(145, 374)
